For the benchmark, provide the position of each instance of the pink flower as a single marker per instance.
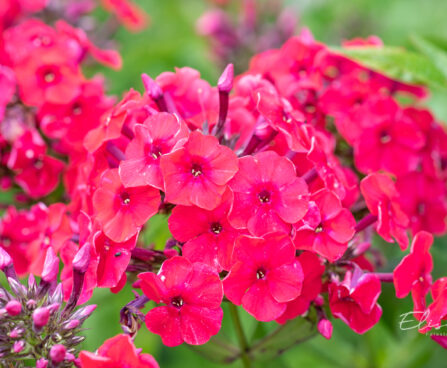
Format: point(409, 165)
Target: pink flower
point(312, 271)
point(192, 293)
point(327, 227)
point(437, 310)
point(197, 173)
point(390, 142)
point(158, 135)
point(117, 352)
point(122, 211)
point(132, 16)
point(265, 276)
point(268, 196)
point(382, 198)
point(208, 236)
point(354, 300)
point(413, 273)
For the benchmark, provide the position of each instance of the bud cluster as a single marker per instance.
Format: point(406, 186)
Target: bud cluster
point(35, 323)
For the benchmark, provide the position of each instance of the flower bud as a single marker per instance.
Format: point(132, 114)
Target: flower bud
point(16, 333)
point(53, 307)
point(325, 328)
point(71, 324)
point(5, 259)
point(57, 353)
point(50, 266)
point(13, 307)
point(42, 363)
point(41, 317)
point(225, 82)
point(151, 87)
point(31, 304)
point(18, 346)
point(81, 260)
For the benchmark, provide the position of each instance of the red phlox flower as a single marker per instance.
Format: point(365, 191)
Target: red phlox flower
point(382, 200)
point(265, 275)
point(413, 273)
point(312, 271)
point(113, 258)
point(122, 211)
point(192, 293)
point(208, 236)
point(185, 93)
point(437, 310)
point(158, 135)
point(268, 196)
point(71, 122)
point(327, 227)
point(37, 173)
point(198, 173)
point(117, 352)
point(132, 16)
point(110, 58)
point(55, 230)
point(389, 141)
point(354, 300)
point(423, 199)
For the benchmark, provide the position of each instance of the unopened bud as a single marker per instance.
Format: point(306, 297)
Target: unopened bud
point(18, 346)
point(84, 312)
point(53, 307)
point(151, 87)
point(41, 317)
point(31, 304)
point(325, 328)
point(81, 260)
point(5, 259)
point(225, 82)
point(57, 353)
point(13, 307)
point(70, 325)
point(16, 333)
point(319, 300)
point(42, 363)
point(50, 266)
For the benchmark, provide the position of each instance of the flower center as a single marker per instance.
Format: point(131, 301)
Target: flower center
point(117, 254)
point(196, 170)
point(77, 109)
point(385, 137)
point(264, 196)
point(260, 273)
point(216, 228)
point(177, 301)
point(421, 208)
point(319, 229)
point(49, 77)
point(125, 198)
point(155, 152)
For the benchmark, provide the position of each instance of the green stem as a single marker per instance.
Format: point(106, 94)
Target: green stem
point(240, 336)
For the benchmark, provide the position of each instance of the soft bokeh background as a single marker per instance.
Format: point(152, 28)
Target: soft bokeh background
point(171, 41)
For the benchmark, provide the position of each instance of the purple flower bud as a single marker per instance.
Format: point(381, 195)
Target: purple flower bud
point(5, 259)
point(31, 304)
point(84, 312)
point(16, 333)
point(225, 82)
point(325, 328)
point(57, 295)
point(41, 317)
point(13, 307)
point(70, 357)
point(3, 312)
point(81, 260)
point(17, 288)
point(53, 307)
point(42, 363)
point(18, 346)
point(57, 353)
point(50, 266)
point(31, 282)
point(72, 324)
point(151, 87)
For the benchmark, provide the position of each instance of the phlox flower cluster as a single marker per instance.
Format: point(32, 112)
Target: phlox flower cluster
point(272, 184)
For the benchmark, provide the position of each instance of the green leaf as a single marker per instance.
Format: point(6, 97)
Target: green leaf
point(284, 337)
point(436, 54)
point(397, 63)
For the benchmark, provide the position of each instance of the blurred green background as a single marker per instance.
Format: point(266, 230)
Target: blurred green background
point(171, 41)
